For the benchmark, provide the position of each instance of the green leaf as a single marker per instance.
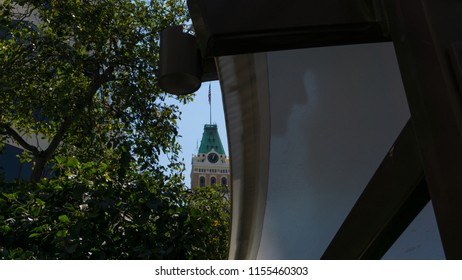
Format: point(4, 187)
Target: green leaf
point(39, 202)
point(62, 233)
point(5, 228)
point(35, 211)
point(64, 219)
point(72, 162)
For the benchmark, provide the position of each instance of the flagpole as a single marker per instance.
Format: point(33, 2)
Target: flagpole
point(210, 103)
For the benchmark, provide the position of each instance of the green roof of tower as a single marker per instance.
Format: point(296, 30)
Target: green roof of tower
point(211, 140)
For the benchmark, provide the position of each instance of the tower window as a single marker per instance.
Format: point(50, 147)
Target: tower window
point(224, 181)
point(213, 181)
point(202, 181)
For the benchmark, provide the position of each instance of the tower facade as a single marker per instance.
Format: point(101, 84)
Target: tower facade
point(210, 166)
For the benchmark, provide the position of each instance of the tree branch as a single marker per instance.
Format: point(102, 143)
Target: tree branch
point(18, 138)
point(43, 157)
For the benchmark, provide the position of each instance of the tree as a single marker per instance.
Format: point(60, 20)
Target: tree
point(81, 74)
point(83, 77)
point(209, 218)
point(89, 215)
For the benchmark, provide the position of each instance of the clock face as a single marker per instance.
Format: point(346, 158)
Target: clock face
point(212, 157)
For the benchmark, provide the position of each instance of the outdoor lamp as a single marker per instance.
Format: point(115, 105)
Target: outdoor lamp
point(180, 62)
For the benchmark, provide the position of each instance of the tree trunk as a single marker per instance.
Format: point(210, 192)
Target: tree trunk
point(39, 167)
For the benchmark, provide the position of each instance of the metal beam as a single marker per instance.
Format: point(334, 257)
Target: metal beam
point(427, 36)
point(394, 196)
point(246, 103)
point(242, 26)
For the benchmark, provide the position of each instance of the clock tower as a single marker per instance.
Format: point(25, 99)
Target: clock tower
point(210, 166)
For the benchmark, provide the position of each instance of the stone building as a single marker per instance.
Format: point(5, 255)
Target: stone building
point(211, 165)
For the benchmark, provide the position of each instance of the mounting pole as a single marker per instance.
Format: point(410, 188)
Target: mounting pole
point(210, 102)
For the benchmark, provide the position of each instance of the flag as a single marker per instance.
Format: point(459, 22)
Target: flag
point(210, 95)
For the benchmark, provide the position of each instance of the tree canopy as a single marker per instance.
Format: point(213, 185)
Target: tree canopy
point(91, 216)
point(82, 76)
point(79, 94)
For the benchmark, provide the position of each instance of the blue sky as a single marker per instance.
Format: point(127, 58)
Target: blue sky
point(194, 116)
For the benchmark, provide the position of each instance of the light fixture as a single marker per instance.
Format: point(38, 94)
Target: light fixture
point(180, 62)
